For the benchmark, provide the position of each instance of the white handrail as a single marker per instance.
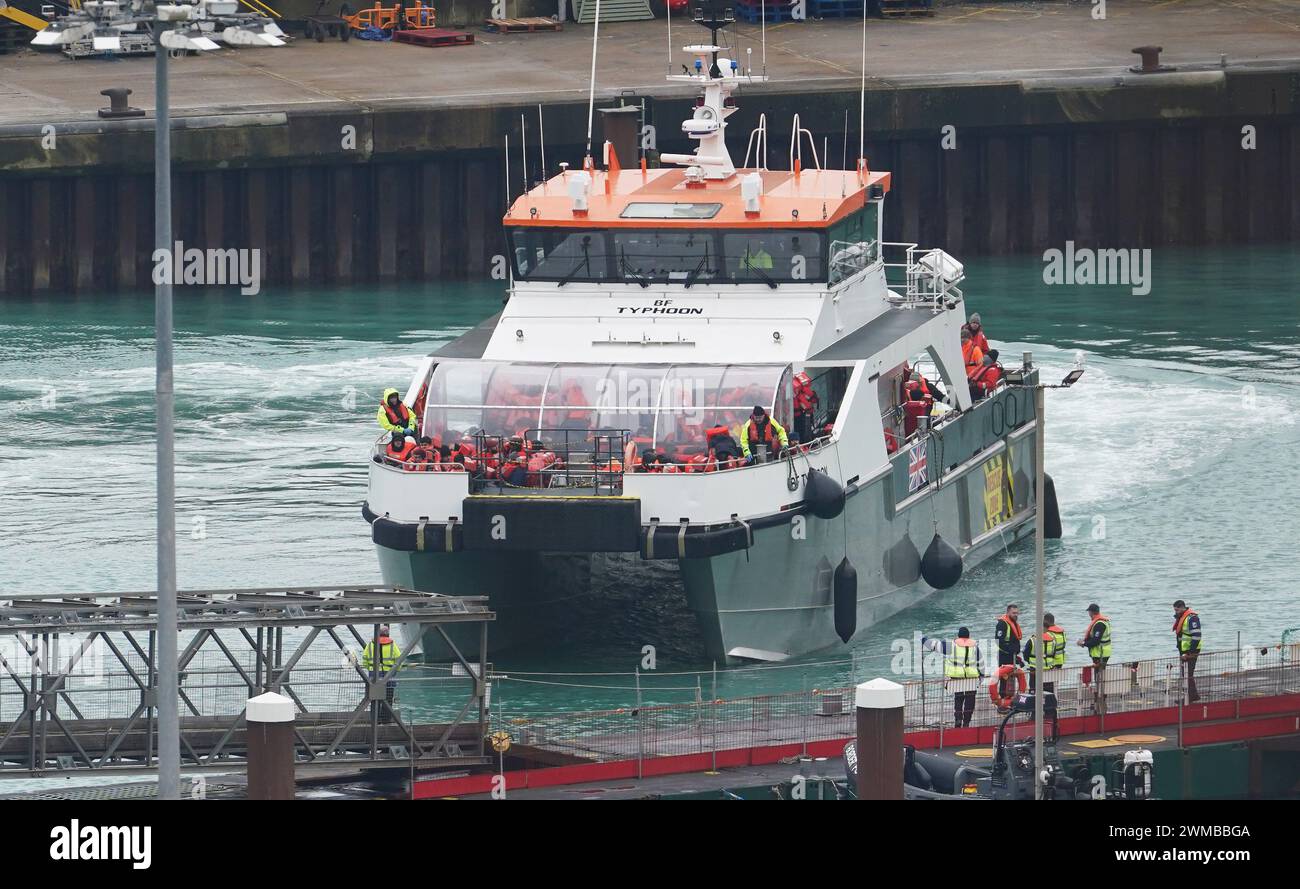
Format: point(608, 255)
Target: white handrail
point(760, 150)
point(796, 145)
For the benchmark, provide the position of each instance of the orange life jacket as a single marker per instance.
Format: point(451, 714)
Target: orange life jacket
point(891, 441)
point(422, 459)
point(400, 417)
point(401, 453)
point(1015, 627)
point(1093, 623)
point(973, 358)
point(1178, 621)
point(765, 435)
point(987, 377)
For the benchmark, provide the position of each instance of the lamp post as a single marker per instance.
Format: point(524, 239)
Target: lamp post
point(1039, 536)
point(169, 736)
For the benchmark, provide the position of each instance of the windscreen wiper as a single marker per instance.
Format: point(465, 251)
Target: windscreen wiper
point(767, 279)
point(586, 263)
point(627, 272)
point(695, 272)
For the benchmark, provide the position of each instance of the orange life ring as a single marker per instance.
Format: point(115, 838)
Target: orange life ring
point(1004, 673)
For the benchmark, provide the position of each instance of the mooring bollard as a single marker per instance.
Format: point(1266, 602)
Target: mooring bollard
point(270, 747)
point(880, 739)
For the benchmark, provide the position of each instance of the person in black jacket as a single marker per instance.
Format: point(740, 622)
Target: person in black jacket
point(1007, 633)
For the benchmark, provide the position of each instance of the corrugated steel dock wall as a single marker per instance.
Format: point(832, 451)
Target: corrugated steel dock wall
point(1157, 161)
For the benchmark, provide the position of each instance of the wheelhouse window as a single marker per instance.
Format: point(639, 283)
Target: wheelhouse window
point(854, 243)
point(674, 256)
point(669, 255)
point(548, 254)
point(780, 255)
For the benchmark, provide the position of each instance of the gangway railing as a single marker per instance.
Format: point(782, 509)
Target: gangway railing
point(79, 683)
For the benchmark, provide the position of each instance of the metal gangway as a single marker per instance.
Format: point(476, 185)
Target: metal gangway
point(79, 679)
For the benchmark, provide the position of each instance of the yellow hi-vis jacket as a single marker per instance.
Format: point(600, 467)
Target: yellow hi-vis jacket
point(778, 435)
point(388, 654)
point(386, 422)
point(961, 661)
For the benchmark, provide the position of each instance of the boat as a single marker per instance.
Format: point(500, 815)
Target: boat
point(649, 306)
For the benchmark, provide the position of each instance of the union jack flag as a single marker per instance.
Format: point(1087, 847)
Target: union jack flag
point(916, 475)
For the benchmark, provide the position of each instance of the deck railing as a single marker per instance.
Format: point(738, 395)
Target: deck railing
point(645, 731)
point(926, 277)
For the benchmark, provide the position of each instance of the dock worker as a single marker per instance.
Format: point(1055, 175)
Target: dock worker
point(389, 652)
point(1097, 640)
point(760, 429)
point(1187, 633)
point(1053, 638)
point(756, 258)
point(1007, 632)
point(961, 670)
point(394, 415)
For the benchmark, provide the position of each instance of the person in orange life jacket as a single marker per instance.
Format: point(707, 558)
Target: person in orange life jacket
point(423, 457)
point(647, 463)
point(805, 406)
point(929, 388)
point(394, 416)
point(986, 379)
point(516, 472)
point(399, 447)
point(976, 328)
point(722, 447)
point(914, 408)
point(760, 429)
point(1187, 636)
point(971, 355)
point(1007, 632)
point(1097, 640)
point(961, 661)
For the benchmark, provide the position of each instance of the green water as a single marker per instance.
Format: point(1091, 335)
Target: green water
point(1176, 460)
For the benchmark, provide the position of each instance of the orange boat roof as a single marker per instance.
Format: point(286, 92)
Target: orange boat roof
point(821, 197)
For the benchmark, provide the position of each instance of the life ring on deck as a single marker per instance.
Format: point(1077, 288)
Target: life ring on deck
point(1004, 674)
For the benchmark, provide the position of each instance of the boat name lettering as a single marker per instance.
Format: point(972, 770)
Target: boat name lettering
point(661, 307)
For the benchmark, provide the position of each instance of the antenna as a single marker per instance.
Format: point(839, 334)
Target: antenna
point(591, 99)
point(862, 97)
point(523, 141)
point(541, 139)
point(508, 174)
point(763, 29)
point(844, 155)
point(668, 7)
